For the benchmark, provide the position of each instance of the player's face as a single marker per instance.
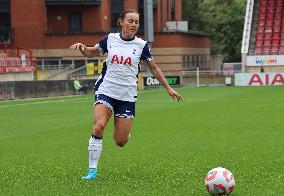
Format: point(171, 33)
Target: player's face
point(130, 25)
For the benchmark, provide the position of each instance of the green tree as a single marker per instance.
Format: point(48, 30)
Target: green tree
point(222, 19)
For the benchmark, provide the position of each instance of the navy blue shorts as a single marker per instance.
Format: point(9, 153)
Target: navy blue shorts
point(121, 109)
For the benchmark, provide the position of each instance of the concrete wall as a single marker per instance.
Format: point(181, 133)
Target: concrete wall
point(36, 89)
point(256, 69)
point(16, 76)
point(217, 80)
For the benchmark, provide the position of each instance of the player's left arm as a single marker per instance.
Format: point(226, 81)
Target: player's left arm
point(155, 70)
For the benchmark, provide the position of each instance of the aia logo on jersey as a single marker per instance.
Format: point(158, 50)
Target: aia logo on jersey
point(122, 60)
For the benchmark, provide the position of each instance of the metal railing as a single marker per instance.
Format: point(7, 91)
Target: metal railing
point(247, 26)
point(209, 73)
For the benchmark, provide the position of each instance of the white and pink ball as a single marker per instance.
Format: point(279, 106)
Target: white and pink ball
point(219, 181)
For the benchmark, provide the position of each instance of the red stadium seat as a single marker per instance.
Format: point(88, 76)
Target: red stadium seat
point(259, 36)
point(282, 43)
point(259, 43)
point(263, 3)
point(269, 16)
point(269, 23)
point(267, 36)
point(276, 36)
point(279, 3)
point(266, 51)
point(261, 16)
point(262, 9)
point(281, 50)
point(260, 30)
point(274, 50)
point(277, 17)
point(271, 3)
point(278, 10)
point(276, 29)
point(275, 43)
point(258, 51)
point(276, 22)
point(270, 10)
point(267, 43)
point(268, 30)
point(261, 23)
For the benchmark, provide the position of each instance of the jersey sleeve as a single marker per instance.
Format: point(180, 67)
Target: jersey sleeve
point(146, 53)
point(102, 45)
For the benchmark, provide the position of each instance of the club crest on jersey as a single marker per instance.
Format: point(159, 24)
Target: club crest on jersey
point(122, 60)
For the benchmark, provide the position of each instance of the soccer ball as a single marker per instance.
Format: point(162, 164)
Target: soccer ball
point(219, 181)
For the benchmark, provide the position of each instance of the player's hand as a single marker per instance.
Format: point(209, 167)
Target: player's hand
point(78, 46)
point(175, 95)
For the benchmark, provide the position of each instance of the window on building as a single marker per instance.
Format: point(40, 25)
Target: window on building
point(116, 9)
point(192, 61)
point(39, 62)
point(79, 63)
point(173, 7)
point(5, 21)
point(92, 61)
point(66, 63)
point(51, 63)
point(75, 22)
point(154, 3)
point(4, 6)
point(141, 15)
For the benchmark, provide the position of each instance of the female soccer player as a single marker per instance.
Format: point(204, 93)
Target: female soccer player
point(116, 88)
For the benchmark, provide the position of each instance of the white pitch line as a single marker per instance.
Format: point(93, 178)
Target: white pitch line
point(64, 100)
point(34, 103)
point(43, 102)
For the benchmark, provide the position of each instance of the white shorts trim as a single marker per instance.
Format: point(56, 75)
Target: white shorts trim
point(104, 103)
point(124, 116)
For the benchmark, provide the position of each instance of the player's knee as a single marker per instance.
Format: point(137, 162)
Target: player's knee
point(121, 142)
point(98, 128)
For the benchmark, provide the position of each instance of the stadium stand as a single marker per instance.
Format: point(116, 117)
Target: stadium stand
point(263, 36)
point(13, 59)
point(270, 27)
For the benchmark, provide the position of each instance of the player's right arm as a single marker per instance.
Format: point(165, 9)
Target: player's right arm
point(86, 51)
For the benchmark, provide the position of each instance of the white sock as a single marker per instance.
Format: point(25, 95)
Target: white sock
point(95, 148)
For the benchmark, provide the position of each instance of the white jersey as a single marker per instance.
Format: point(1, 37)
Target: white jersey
point(120, 69)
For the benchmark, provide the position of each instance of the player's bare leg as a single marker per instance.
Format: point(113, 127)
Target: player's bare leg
point(102, 115)
point(122, 130)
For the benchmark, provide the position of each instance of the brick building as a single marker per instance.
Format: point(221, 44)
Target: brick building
point(49, 27)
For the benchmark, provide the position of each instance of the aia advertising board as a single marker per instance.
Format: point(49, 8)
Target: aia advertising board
point(259, 79)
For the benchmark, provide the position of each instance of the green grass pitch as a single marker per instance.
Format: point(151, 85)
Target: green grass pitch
point(43, 144)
